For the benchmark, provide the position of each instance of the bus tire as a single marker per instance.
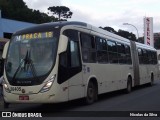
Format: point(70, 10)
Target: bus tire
point(129, 85)
point(152, 80)
point(92, 93)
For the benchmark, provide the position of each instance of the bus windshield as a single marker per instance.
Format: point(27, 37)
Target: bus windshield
point(31, 57)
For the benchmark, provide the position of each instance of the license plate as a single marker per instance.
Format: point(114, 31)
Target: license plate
point(24, 97)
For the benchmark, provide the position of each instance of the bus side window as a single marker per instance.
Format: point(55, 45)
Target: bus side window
point(145, 56)
point(112, 51)
point(149, 57)
point(121, 53)
point(155, 58)
point(88, 48)
point(102, 53)
point(140, 55)
point(128, 54)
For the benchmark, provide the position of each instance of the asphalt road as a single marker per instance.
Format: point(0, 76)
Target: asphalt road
point(144, 99)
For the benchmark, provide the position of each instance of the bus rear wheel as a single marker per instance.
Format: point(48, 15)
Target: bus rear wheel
point(152, 80)
point(129, 85)
point(91, 93)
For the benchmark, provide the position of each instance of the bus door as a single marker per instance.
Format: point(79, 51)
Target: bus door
point(70, 71)
point(71, 66)
point(76, 89)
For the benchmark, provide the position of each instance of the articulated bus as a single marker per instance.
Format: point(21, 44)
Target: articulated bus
point(63, 61)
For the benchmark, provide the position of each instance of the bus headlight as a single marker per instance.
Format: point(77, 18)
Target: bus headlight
point(48, 84)
point(6, 87)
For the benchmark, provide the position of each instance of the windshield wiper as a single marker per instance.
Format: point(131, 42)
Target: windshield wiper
point(20, 65)
point(27, 62)
point(30, 64)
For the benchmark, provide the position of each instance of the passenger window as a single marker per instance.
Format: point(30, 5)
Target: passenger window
point(128, 54)
point(145, 57)
point(155, 58)
point(112, 52)
point(102, 54)
point(149, 57)
point(121, 53)
point(140, 55)
point(121, 48)
point(88, 48)
point(87, 41)
point(112, 46)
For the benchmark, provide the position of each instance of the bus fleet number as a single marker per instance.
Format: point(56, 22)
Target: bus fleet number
point(15, 88)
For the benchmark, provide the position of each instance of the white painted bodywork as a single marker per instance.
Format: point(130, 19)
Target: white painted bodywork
point(110, 77)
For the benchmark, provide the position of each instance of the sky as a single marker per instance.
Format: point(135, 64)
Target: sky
point(112, 13)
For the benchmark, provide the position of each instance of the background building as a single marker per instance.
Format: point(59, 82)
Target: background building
point(157, 44)
point(157, 40)
point(8, 26)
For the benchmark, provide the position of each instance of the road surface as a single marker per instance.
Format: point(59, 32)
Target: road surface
point(141, 100)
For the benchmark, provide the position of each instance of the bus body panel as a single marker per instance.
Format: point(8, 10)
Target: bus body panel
point(107, 81)
point(76, 88)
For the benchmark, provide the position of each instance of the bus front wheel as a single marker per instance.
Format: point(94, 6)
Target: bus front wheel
point(5, 104)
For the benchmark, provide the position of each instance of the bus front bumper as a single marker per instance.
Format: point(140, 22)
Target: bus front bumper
point(31, 98)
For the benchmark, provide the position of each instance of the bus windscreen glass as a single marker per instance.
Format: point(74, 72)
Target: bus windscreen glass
point(31, 57)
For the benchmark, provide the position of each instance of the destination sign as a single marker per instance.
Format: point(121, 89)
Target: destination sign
point(37, 35)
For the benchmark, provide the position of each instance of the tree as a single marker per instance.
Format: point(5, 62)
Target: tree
point(18, 10)
point(61, 11)
point(141, 40)
point(127, 35)
point(121, 33)
point(157, 43)
point(110, 29)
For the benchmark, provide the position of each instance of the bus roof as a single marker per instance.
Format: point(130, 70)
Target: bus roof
point(48, 27)
point(145, 46)
point(51, 26)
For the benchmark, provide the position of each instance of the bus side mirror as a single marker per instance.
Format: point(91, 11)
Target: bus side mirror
point(63, 43)
point(5, 50)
